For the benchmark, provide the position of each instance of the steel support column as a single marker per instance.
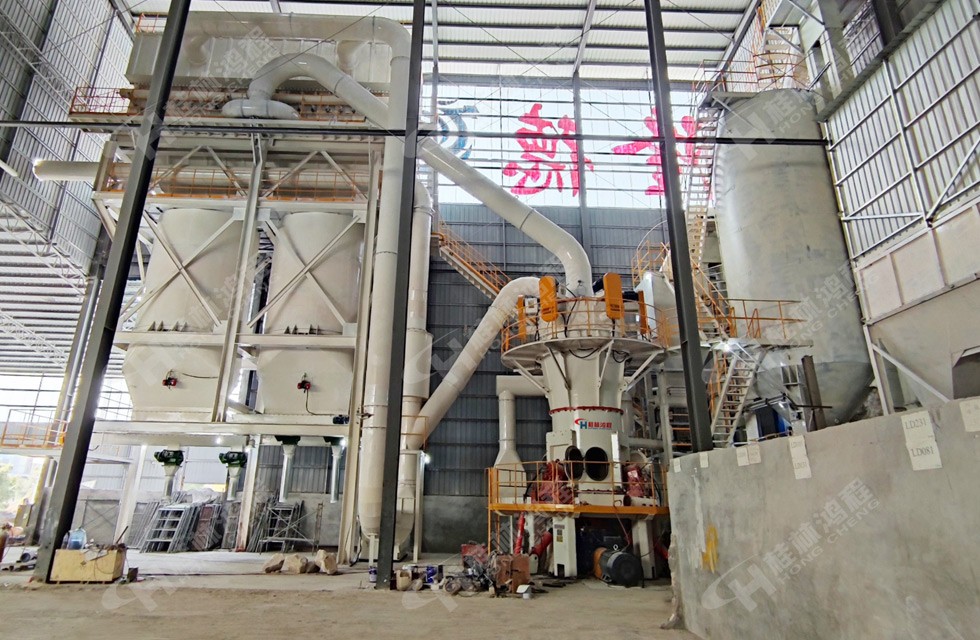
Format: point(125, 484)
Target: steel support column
point(233, 323)
point(399, 329)
point(583, 203)
point(72, 463)
point(888, 19)
point(680, 252)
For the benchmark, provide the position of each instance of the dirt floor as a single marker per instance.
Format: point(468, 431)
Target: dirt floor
point(242, 601)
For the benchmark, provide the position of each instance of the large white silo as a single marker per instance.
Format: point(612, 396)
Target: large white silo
point(781, 238)
point(322, 303)
point(173, 310)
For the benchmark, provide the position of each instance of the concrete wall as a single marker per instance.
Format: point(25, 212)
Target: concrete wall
point(866, 547)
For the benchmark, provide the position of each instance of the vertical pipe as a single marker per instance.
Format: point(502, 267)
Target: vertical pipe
point(337, 451)
point(434, 185)
point(680, 252)
point(419, 463)
point(389, 498)
point(348, 517)
point(234, 472)
point(248, 496)
point(288, 451)
point(65, 492)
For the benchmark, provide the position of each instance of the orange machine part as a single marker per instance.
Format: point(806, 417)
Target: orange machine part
point(644, 322)
point(612, 286)
point(521, 320)
point(548, 292)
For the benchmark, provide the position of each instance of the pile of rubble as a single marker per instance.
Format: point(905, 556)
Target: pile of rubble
point(295, 563)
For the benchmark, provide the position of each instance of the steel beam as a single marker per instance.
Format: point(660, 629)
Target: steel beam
point(72, 464)
point(584, 39)
point(389, 493)
point(680, 252)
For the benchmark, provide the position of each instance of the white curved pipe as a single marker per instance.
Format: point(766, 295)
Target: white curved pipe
point(466, 363)
point(578, 270)
point(57, 170)
point(349, 54)
point(470, 357)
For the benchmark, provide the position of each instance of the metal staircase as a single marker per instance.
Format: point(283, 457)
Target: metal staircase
point(469, 262)
point(734, 372)
point(698, 179)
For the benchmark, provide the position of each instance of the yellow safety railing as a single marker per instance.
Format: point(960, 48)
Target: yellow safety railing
point(586, 317)
point(474, 262)
point(649, 256)
point(29, 434)
point(578, 486)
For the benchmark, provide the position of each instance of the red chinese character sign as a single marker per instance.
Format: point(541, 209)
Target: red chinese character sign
point(547, 159)
point(685, 151)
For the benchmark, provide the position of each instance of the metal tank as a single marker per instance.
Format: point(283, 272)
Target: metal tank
point(780, 238)
point(174, 377)
point(321, 305)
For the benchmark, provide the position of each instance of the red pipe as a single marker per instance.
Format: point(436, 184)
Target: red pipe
point(543, 544)
point(519, 540)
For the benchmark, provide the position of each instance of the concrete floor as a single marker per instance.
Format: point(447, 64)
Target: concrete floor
point(223, 595)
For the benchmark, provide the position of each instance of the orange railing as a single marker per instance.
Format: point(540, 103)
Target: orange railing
point(32, 432)
point(578, 486)
point(735, 318)
point(586, 317)
point(150, 23)
point(206, 101)
point(101, 101)
point(478, 266)
point(649, 256)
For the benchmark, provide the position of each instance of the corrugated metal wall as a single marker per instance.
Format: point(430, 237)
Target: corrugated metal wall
point(901, 146)
point(310, 469)
point(84, 45)
point(465, 443)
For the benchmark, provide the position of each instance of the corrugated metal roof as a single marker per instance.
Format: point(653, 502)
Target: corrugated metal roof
point(490, 37)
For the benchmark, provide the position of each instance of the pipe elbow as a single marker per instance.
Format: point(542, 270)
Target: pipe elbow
point(394, 34)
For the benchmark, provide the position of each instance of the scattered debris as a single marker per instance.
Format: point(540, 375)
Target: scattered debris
point(274, 564)
point(327, 562)
point(295, 563)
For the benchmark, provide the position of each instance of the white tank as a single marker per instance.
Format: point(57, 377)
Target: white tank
point(173, 308)
point(305, 311)
point(781, 238)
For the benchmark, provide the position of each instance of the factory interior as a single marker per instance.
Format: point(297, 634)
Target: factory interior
point(632, 318)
